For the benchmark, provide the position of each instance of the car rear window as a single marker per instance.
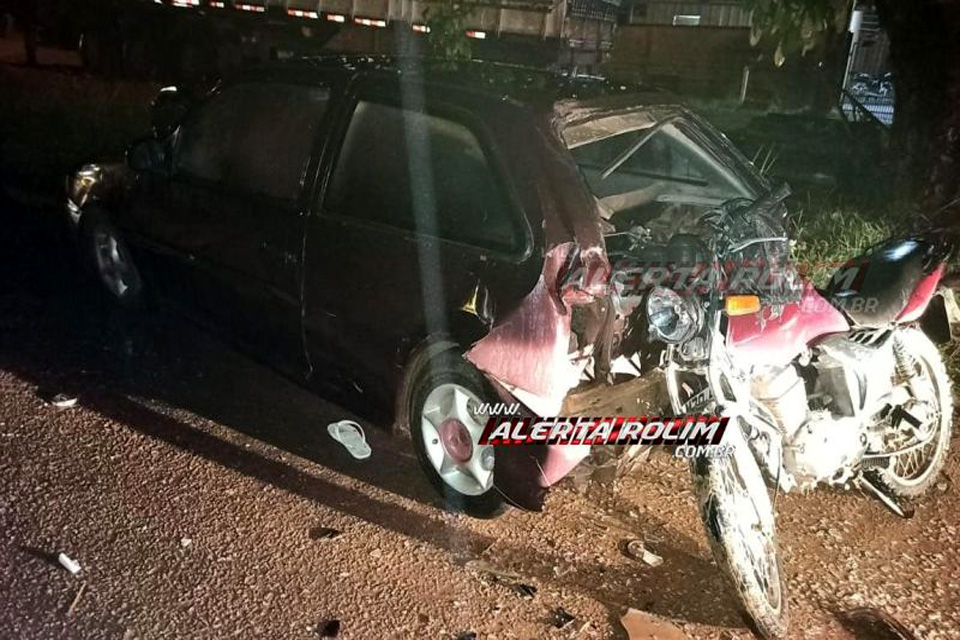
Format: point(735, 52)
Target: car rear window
point(253, 137)
point(424, 173)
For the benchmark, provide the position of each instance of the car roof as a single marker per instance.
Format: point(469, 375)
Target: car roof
point(537, 88)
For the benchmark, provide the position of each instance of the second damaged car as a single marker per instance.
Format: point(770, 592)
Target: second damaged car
point(440, 237)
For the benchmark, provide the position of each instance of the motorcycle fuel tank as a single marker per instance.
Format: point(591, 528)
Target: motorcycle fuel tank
point(761, 340)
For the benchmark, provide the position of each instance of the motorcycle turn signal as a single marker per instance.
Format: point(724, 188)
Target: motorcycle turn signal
point(742, 305)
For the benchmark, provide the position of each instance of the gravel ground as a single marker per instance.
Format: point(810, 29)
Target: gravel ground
point(195, 488)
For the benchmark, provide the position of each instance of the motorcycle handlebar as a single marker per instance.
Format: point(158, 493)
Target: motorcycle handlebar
point(769, 200)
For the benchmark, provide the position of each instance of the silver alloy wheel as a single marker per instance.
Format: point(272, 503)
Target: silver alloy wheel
point(114, 265)
point(451, 429)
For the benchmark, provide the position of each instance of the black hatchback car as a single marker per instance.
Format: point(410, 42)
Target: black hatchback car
point(369, 222)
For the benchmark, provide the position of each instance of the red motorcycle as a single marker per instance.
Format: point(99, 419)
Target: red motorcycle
point(838, 387)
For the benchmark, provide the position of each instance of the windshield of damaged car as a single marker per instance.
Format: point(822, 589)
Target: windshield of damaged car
point(631, 162)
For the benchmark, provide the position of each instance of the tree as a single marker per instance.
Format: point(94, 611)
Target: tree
point(925, 56)
point(447, 38)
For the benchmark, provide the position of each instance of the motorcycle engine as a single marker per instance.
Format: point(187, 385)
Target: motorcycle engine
point(823, 410)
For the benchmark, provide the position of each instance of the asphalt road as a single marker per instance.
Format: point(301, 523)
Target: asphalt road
point(196, 490)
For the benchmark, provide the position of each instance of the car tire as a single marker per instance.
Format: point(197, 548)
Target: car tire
point(439, 436)
point(109, 260)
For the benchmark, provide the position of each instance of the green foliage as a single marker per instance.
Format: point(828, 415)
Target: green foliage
point(826, 237)
point(797, 26)
point(446, 20)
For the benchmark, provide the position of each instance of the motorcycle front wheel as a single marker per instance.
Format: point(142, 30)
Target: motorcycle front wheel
point(739, 521)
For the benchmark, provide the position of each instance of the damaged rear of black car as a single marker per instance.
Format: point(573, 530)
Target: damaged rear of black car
point(423, 235)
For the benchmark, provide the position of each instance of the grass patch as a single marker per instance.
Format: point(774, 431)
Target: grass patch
point(826, 236)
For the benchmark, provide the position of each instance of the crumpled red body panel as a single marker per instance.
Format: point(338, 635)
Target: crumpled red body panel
point(527, 353)
point(530, 348)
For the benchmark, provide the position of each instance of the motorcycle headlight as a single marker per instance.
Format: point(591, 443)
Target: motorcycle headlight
point(671, 317)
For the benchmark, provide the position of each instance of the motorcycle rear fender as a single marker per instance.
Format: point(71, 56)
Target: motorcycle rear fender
point(920, 298)
point(941, 316)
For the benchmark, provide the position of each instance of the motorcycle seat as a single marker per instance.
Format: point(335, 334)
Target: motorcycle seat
point(873, 288)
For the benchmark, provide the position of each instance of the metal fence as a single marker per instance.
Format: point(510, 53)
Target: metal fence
point(859, 107)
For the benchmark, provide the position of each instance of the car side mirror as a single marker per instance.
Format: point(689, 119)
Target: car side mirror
point(147, 155)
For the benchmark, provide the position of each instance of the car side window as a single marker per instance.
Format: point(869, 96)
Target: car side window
point(253, 137)
point(424, 173)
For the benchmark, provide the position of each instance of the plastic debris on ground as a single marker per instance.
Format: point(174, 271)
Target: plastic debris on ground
point(59, 400)
point(644, 626)
point(637, 550)
point(68, 563)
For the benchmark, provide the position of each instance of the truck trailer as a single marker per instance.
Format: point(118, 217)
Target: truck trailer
point(189, 39)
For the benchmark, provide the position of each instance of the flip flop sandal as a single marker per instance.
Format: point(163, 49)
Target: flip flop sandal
point(351, 436)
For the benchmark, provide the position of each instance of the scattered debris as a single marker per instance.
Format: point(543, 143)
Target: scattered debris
point(480, 566)
point(467, 635)
point(943, 485)
point(423, 618)
point(637, 550)
point(69, 564)
point(560, 618)
point(329, 628)
point(185, 542)
point(351, 436)
point(643, 626)
point(868, 622)
point(76, 599)
point(634, 456)
point(501, 576)
point(60, 400)
point(525, 590)
point(323, 533)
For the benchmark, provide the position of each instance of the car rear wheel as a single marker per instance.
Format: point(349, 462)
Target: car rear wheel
point(445, 426)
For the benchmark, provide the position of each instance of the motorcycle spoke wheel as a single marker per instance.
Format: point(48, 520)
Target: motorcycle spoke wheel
point(912, 465)
point(909, 459)
point(740, 525)
point(756, 534)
